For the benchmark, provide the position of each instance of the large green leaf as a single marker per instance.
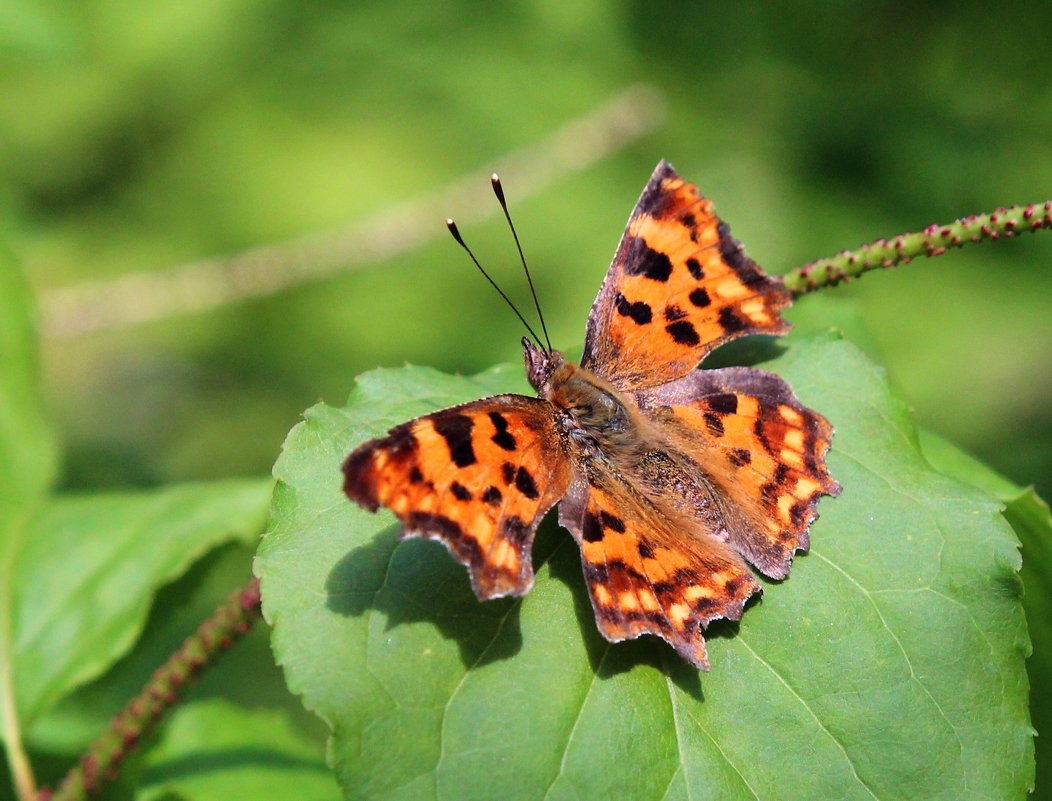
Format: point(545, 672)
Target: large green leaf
point(1029, 516)
point(218, 750)
point(88, 567)
point(889, 665)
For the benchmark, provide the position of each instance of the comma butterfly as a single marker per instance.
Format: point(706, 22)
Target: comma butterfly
point(670, 478)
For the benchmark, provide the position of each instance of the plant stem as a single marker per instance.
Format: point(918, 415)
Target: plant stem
point(267, 269)
point(102, 761)
point(17, 760)
point(932, 241)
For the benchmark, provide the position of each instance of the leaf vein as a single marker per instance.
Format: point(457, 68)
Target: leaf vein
point(807, 706)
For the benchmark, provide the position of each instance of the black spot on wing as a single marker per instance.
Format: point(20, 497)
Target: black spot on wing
point(683, 332)
point(460, 492)
point(618, 566)
point(798, 514)
point(694, 266)
point(502, 438)
point(733, 585)
point(591, 531)
point(699, 298)
point(492, 496)
point(507, 472)
point(714, 424)
point(673, 587)
point(644, 260)
point(731, 322)
point(455, 429)
point(726, 403)
point(524, 483)
point(515, 530)
point(639, 312)
point(645, 550)
point(612, 522)
point(706, 608)
point(781, 473)
point(761, 434)
point(739, 457)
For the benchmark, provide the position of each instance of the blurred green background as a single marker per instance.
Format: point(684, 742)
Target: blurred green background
point(138, 137)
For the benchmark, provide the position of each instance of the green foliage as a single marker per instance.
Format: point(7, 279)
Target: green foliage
point(1029, 516)
point(137, 137)
point(216, 751)
point(88, 568)
point(79, 576)
point(889, 665)
point(27, 450)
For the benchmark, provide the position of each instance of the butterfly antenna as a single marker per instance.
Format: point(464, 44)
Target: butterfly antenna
point(452, 226)
point(498, 190)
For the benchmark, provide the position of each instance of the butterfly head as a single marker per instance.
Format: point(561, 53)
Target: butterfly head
point(541, 364)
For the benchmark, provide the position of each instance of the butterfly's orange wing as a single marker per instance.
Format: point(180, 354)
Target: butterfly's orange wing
point(760, 449)
point(477, 477)
point(679, 286)
point(645, 573)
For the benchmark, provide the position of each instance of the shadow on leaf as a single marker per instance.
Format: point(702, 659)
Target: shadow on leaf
point(746, 352)
point(416, 581)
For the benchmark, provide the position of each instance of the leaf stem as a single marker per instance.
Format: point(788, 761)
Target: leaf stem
point(17, 760)
point(932, 241)
point(102, 761)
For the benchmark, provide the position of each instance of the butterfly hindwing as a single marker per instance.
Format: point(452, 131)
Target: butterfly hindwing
point(679, 286)
point(646, 574)
point(759, 447)
point(477, 477)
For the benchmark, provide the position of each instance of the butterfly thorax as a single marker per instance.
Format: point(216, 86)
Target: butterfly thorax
point(593, 413)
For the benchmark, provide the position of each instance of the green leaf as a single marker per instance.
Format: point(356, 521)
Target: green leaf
point(1029, 516)
point(889, 665)
point(245, 674)
point(88, 567)
point(27, 468)
point(218, 750)
point(27, 446)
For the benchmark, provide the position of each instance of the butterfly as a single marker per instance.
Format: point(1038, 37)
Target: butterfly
point(673, 480)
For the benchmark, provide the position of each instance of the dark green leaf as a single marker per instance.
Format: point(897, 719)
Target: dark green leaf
point(889, 665)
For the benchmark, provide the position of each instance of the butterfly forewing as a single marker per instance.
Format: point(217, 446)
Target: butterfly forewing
point(679, 286)
point(477, 477)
